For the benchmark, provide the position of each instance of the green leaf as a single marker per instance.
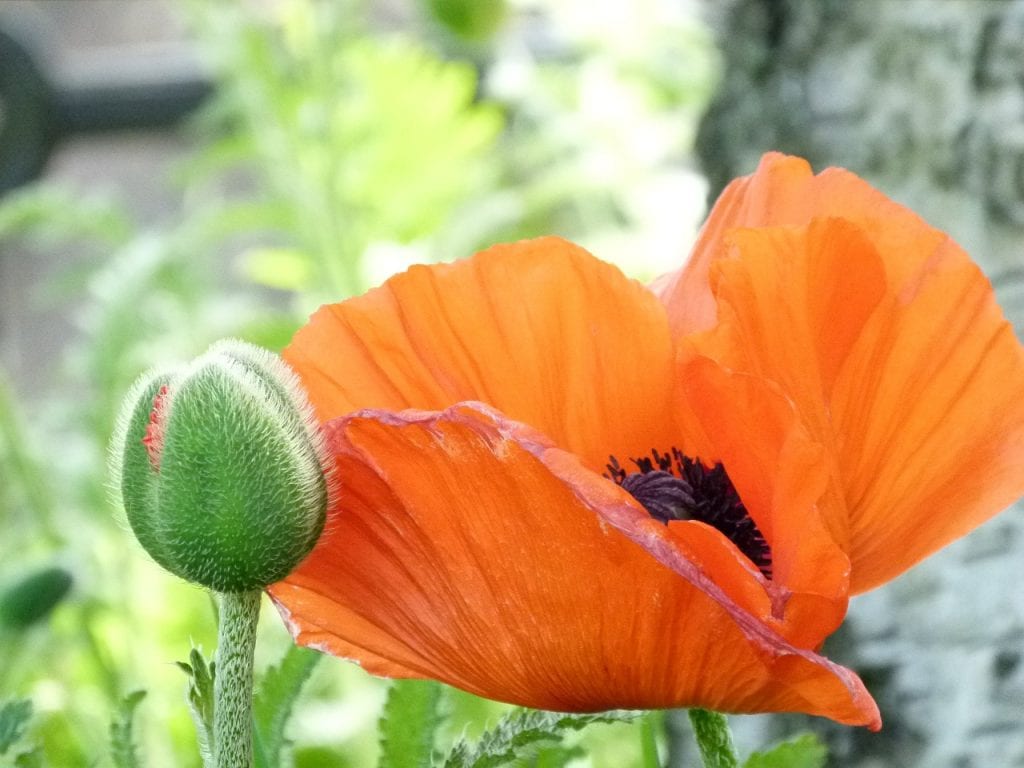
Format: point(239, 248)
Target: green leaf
point(409, 723)
point(14, 716)
point(803, 751)
point(525, 733)
point(122, 745)
point(275, 697)
point(200, 700)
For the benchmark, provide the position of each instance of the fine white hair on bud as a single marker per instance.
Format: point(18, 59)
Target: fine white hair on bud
point(291, 389)
point(222, 468)
point(140, 394)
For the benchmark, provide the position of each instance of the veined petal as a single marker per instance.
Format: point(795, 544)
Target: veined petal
point(929, 412)
point(471, 550)
point(781, 475)
point(792, 302)
point(784, 192)
point(913, 386)
point(539, 329)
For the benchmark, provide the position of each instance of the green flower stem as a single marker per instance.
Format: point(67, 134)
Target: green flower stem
point(649, 741)
point(714, 739)
point(232, 687)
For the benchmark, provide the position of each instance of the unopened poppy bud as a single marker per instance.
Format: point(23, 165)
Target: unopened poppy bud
point(221, 468)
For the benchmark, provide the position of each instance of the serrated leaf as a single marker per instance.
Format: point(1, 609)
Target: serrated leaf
point(199, 696)
point(803, 751)
point(522, 734)
point(14, 717)
point(122, 744)
point(409, 724)
point(275, 697)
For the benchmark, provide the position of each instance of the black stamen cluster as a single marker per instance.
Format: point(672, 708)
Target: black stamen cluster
point(672, 486)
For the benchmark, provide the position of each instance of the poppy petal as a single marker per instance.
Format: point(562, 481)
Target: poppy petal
point(784, 192)
point(779, 472)
point(473, 551)
point(913, 388)
point(539, 329)
point(929, 412)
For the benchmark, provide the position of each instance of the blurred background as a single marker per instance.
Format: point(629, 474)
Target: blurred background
point(176, 171)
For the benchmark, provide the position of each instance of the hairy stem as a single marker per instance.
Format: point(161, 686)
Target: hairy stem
point(232, 687)
point(714, 739)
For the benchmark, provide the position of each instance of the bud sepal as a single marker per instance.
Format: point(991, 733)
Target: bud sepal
point(222, 469)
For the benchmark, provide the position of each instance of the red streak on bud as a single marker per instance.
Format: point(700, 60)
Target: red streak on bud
point(154, 437)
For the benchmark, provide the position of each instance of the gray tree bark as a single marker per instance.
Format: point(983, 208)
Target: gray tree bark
point(924, 99)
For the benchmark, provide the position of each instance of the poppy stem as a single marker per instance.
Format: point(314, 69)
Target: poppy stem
point(649, 740)
point(714, 739)
point(232, 687)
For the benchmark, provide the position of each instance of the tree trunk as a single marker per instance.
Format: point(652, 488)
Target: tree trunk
point(924, 99)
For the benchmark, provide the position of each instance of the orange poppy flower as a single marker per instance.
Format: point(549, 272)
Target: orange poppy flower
point(485, 547)
point(515, 536)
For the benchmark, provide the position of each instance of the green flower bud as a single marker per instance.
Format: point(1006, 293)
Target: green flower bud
point(222, 468)
point(33, 597)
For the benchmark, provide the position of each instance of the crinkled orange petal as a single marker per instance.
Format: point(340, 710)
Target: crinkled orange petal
point(779, 472)
point(914, 389)
point(539, 329)
point(791, 305)
point(783, 191)
point(467, 548)
point(929, 415)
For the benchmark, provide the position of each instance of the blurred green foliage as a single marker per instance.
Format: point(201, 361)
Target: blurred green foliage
point(32, 597)
point(472, 20)
point(352, 139)
point(803, 751)
point(340, 146)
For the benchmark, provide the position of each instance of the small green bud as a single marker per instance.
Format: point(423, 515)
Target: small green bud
point(33, 597)
point(222, 468)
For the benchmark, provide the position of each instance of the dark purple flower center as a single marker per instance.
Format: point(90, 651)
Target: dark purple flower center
point(676, 487)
